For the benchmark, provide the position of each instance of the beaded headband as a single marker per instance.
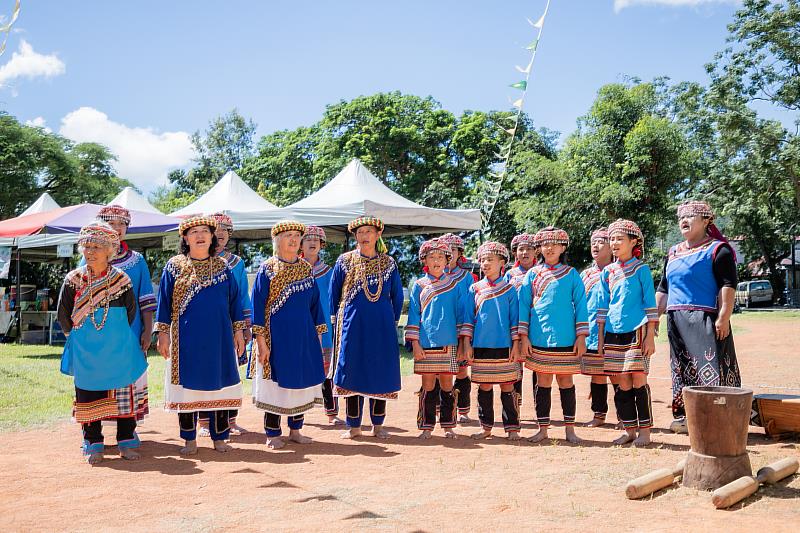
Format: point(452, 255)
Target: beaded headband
point(695, 208)
point(451, 239)
point(492, 247)
point(364, 221)
point(628, 227)
point(551, 235)
point(288, 225)
point(195, 221)
point(98, 233)
point(522, 238)
point(224, 221)
point(434, 245)
point(600, 234)
point(315, 231)
point(114, 212)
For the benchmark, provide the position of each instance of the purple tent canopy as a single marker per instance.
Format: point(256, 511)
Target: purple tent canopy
point(72, 219)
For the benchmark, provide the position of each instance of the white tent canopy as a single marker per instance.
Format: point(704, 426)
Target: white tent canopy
point(44, 203)
point(356, 192)
point(230, 194)
point(130, 198)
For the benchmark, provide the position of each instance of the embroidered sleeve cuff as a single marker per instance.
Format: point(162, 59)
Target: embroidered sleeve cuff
point(412, 333)
point(147, 303)
point(652, 314)
point(581, 328)
point(466, 331)
point(601, 316)
point(239, 325)
point(161, 327)
point(322, 328)
point(260, 330)
point(514, 333)
point(523, 329)
point(247, 313)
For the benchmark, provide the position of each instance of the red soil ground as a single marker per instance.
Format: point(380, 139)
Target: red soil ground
point(400, 484)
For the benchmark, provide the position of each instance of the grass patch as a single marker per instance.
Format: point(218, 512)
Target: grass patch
point(34, 392)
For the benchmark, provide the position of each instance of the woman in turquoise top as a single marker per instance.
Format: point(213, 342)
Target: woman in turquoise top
point(626, 326)
point(554, 323)
point(592, 362)
point(96, 308)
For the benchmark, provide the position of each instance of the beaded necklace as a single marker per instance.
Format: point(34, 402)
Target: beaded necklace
point(106, 300)
point(362, 267)
point(204, 274)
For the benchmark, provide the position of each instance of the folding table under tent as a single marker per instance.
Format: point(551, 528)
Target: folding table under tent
point(355, 192)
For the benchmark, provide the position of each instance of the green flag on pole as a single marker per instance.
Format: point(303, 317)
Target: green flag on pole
point(521, 85)
point(533, 45)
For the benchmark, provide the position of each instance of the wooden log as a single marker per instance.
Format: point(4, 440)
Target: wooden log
point(717, 419)
point(654, 481)
point(743, 487)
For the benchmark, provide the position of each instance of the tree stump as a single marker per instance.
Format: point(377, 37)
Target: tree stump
point(717, 419)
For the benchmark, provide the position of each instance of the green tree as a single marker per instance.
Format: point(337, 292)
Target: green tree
point(750, 165)
point(626, 160)
point(226, 145)
point(34, 161)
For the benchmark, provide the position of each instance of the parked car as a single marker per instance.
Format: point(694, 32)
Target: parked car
point(749, 293)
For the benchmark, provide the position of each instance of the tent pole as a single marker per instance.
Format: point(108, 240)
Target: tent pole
point(17, 300)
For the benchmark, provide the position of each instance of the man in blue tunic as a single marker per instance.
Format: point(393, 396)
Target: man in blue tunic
point(366, 297)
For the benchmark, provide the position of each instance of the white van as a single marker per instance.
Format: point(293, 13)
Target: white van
point(753, 292)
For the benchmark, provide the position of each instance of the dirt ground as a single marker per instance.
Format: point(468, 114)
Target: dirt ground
point(400, 484)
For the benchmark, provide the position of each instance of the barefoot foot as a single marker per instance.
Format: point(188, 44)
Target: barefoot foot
point(351, 433)
point(540, 436)
point(450, 434)
point(571, 436)
point(643, 439)
point(513, 435)
point(379, 432)
point(595, 422)
point(299, 438)
point(486, 433)
point(275, 443)
point(94, 458)
point(625, 438)
point(189, 448)
point(236, 429)
point(221, 446)
point(129, 453)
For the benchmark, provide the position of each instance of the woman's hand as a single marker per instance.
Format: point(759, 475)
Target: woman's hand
point(419, 353)
point(723, 327)
point(146, 340)
point(163, 344)
point(238, 342)
point(649, 345)
point(263, 351)
point(580, 346)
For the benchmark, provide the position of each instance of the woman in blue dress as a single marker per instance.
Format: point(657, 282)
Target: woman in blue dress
point(288, 321)
point(96, 307)
point(199, 322)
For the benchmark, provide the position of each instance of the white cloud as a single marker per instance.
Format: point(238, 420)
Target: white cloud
point(619, 5)
point(27, 63)
point(144, 155)
point(38, 122)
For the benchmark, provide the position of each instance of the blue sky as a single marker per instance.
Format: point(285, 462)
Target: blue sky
point(141, 76)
